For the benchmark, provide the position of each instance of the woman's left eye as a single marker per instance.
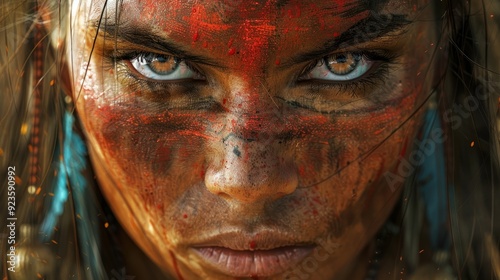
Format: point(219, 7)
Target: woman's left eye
point(342, 67)
point(163, 67)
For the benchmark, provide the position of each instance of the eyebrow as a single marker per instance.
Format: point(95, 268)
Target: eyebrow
point(373, 27)
point(363, 6)
point(141, 36)
point(354, 7)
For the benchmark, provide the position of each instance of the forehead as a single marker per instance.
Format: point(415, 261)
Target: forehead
point(237, 11)
point(241, 32)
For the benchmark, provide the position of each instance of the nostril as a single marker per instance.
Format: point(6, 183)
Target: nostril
point(280, 194)
point(224, 195)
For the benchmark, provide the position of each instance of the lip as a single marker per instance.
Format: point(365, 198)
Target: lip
point(252, 255)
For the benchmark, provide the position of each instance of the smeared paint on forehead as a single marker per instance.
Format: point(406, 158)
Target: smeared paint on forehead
point(244, 31)
point(231, 11)
point(245, 34)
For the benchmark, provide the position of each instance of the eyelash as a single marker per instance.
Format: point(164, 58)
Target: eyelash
point(129, 56)
point(377, 74)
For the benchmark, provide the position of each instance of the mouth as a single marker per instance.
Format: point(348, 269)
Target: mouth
point(264, 255)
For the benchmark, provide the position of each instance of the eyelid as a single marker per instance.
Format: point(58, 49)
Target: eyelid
point(385, 62)
point(118, 39)
point(127, 57)
point(377, 56)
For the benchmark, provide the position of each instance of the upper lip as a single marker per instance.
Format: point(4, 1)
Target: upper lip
point(240, 240)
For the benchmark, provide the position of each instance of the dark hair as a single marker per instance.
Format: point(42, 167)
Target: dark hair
point(473, 162)
point(36, 124)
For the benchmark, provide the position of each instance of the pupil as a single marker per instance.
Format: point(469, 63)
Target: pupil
point(341, 58)
point(161, 59)
point(343, 64)
point(163, 65)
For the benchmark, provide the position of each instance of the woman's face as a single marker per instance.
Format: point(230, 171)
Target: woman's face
point(251, 138)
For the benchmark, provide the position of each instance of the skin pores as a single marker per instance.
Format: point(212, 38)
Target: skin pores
point(251, 155)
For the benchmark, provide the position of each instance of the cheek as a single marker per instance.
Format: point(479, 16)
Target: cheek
point(153, 153)
point(345, 140)
point(349, 156)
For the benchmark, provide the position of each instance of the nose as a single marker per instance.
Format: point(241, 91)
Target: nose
point(250, 172)
point(251, 163)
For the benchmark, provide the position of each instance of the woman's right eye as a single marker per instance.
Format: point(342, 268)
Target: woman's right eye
point(163, 67)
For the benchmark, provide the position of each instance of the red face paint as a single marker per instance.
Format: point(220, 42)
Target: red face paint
point(266, 153)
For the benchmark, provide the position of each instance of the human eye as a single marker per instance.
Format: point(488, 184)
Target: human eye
point(160, 67)
point(154, 80)
point(348, 82)
point(341, 67)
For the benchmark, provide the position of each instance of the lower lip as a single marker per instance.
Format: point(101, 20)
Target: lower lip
point(258, 263)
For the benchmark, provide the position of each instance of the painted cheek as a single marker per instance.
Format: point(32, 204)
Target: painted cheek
point(334, 146)
point(155, 157)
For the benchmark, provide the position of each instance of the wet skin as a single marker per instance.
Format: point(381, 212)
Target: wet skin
point(249, 150)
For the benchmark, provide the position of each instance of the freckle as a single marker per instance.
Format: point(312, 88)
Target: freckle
point(232, 51)
point(236, 151)
point(302, 171)
point(277, 62)
point(379, 131)
point(403, 150)
point(252, 244)
point(185, 216)
point(196, 36)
